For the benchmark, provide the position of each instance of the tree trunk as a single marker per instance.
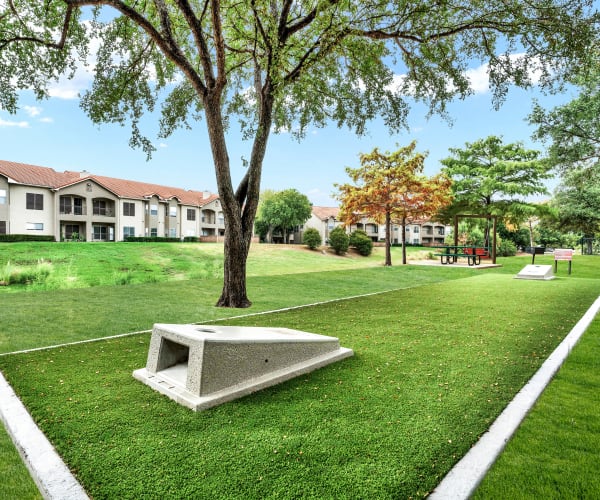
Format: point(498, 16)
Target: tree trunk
point(404, 240)
point(234, 280)
point(388, 239)
point(239, 207)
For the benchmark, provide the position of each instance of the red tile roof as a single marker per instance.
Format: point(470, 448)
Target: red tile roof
point(32, 175)
point(35, 176)
point(324, 213)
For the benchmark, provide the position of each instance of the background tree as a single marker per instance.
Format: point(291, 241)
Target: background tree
point(573, 129)
point(577, 200)
point(281, 65)
point(283, 211)
point(261, 226)
point(390, 187)
point(492, 178)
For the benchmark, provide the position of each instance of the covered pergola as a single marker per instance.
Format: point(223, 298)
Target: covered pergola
point(494, 218)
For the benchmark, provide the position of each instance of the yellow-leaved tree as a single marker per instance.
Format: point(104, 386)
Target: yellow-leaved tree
point(391, 188)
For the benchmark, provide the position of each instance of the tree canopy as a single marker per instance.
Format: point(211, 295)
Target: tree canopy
point(573, 130)
point(283, 211)
point(577, 201)
point(281, 65)
point(493, 178)
point(390, 187)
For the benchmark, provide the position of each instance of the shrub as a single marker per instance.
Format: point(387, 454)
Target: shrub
point(151, 239)
point(23, 275)
point(339, 241)
point(24, 237)
point(363, 244)
point(311, 238)
point(506, 248)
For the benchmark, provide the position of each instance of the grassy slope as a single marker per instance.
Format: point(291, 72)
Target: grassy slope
point(434, 365)
point(75, 265)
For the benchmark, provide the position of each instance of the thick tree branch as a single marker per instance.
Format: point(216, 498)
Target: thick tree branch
point(200, 40)
point(219, 42)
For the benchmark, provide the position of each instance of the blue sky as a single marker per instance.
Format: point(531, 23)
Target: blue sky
point(56, 133)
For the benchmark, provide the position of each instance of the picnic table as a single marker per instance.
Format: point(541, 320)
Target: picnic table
point(449, 254)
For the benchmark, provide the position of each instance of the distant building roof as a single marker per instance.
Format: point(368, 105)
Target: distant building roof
point(324, 213)
point(32, 175)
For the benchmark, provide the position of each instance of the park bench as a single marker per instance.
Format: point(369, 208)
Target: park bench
point(450, 254)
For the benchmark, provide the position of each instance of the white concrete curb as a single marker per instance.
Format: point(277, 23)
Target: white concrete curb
point(51, 475)
point(462, 481)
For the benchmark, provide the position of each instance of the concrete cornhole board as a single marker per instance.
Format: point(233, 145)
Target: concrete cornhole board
point(534, 272)
point(201, 366)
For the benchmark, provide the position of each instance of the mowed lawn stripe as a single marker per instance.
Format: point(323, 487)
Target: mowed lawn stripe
point(44, 318)
point(434, 366)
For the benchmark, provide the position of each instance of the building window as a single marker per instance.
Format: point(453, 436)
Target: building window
point(2, 196)
point(65, 204)
point(128, 231)
point(128, 209)
point(153, 209)
point(2, 227)
point(172, 211)
point(35, 201)
point(78, 206)
point(100, 233)
point(172, 232)
point(441, 231)
point(34, 226)
point(416, 229)
point(100, 208)
point(191, 214)
point(153, 232)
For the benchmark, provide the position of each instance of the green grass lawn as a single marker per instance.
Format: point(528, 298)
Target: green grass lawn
point(435, 362)
point(554, 454)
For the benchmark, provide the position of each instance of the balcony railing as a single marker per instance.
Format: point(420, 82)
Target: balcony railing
point(104, 212)
point(73, 211)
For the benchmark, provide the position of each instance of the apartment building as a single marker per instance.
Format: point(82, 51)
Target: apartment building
point(418, 232)
point(67, 205)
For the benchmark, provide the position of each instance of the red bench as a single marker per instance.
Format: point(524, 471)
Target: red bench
point(479, 253)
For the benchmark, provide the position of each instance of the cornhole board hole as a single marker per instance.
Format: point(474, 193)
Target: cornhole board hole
point(535, 272)
point(200, 366)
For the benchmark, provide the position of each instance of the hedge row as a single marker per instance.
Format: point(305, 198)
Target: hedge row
point(24, 237)
point(162, 239)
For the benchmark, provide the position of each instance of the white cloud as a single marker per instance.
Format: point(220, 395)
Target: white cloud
point(32, 110)
point(163, 145)
point(479, 79)
point(46, 119)
point(479, 76)
point(70, 89)
point(21, 124)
